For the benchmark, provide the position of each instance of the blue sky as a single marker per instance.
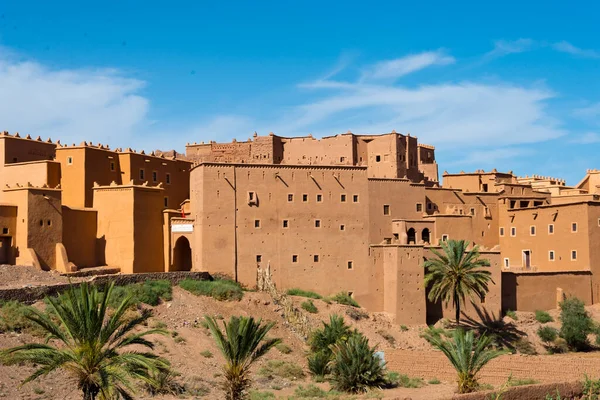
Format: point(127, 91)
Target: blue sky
point(510, 85)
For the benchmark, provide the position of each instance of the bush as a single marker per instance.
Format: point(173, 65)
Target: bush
point(303, 293)
point(547, 334)
point(513, 315)
point(345, 299)
point(355, 369)
point(13, 317)
point(283, 348)
point(591, 388)
point(522, 382)
point(320, 343)
point(318, 363)
point(576, 324)
point(403, 328)
point(356, 314)
point(220, 289)
point(309, 306)
point(543, 317)
point(434, 381)
point(310, 392)
point(256, 395)
point(394, 379)
point(282, 369)
point(149, 292)
point(524, 346)
point(206, 354)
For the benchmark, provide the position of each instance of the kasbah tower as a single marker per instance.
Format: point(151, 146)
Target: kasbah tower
point(352, 213)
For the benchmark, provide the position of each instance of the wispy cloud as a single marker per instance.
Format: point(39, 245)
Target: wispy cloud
point(505, 47)
point(566, 47)
point(591, 111)
point(70, 104)
point(393, 69)
point(587, 138)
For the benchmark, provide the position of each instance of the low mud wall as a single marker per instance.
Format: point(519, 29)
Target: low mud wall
point(31, 294)
point(566, 390)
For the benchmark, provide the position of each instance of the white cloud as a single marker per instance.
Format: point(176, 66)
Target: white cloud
point(392, 69)
point(591, 111)
point(505, 47)
point(587, 138)
point(566, 47)
point(98, 105)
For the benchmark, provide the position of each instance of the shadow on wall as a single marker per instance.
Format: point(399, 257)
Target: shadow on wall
point(101, 250)
point(182, 255)
point(509, 292)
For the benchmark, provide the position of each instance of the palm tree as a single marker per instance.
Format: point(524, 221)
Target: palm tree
point(93, 344)
point(467, 355)
point(243, 343)
point(455, 274)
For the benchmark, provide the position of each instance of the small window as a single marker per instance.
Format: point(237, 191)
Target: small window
point(532, 230)
point(317, 223)
point(419, 207)
point(286, 223)
point(573, 255)
point(290, 197)
point(386, 209)
point(48, 222)
point(319, 198)
point(342, 159)
point(551, 255)
point(343, 198)
point(472, 211)
point(112, 165)
point(429, 205)
point(5, 231)
point(574, 227)
point(460, 211)
point(485, 187)
point(350, 265)
point(377, 158)
point(316, 258)
point(69, 161)
point(250, 196)
point(154, 176)
point(166, 202)
point(444, 237)
point(305, 198)
point(355, 198)
point(550, 229)
point(513, 231)
point(294, 258)
point(168, 179)
point(41, 222)
point(506, 263)
point(501, 231)
point(257, 223)
point(142, 174)
point(342, 227)
point(258, 258)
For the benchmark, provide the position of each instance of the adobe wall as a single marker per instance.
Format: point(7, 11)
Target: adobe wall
point(148, 238)
point(333, 150)
point(532, 291)
point(562, 241)
point(383, 156)
point(79, 235)
point(402, 198)
point(593, 234)
point(17, 150)
point(38, 173)
point(8, 227)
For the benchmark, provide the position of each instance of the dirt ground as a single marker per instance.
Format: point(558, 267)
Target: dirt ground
point(405, 351)
point(12, 276)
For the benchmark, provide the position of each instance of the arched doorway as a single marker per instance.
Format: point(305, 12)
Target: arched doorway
point(412, 236)
point(425, 235)
point(182, 255)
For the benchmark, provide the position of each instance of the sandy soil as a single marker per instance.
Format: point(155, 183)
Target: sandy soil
point(12, 276)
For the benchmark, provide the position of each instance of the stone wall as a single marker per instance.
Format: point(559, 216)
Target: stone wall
point(29, 295)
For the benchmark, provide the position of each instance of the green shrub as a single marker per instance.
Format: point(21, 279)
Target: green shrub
point(320, 343)
point(206, 354)
point(13, 317)
point(434, 381)
point(310, 392)
point(524, 346)
point(220, 289)
point(149, 292)
point(547, 334)
point(403, 328)
point(303, 293)
point(282, 369)
point(522, 382)
point(591, 388)
point(543, 316)
point(345, 299)
point(355, 369)
point(394, 379)
point(576, 323)
point(257, 395)
point(309, 306)
point(318, 364)
point(513, 315)
point(283, 348)
point(357, 314)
